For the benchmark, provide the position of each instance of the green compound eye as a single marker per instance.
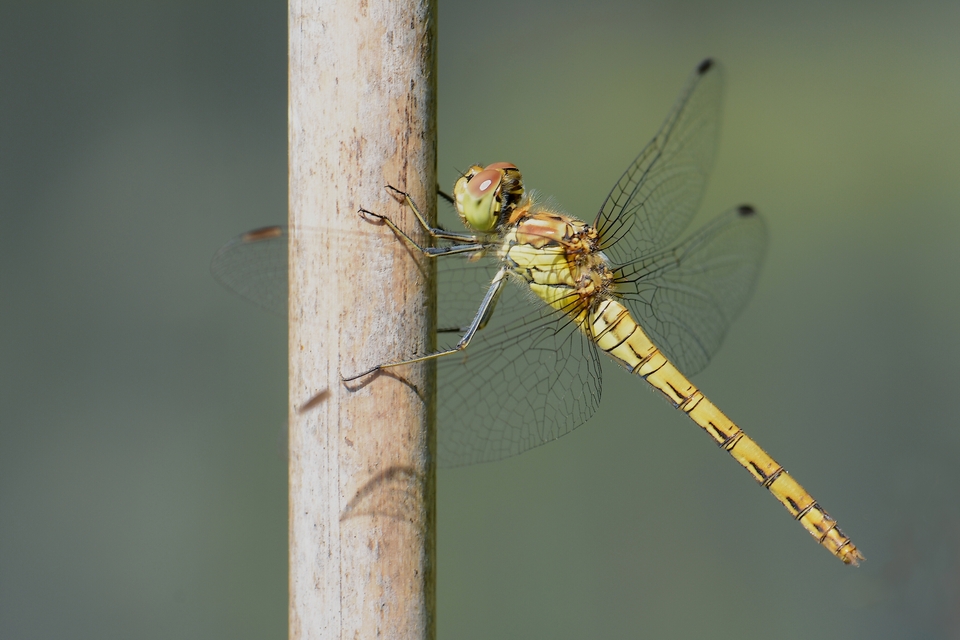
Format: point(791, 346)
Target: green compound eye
point(480, 206)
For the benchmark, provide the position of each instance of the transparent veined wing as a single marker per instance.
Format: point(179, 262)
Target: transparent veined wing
point(529, 377)
point(685, 297)
point(254, 266)
point(660, 191)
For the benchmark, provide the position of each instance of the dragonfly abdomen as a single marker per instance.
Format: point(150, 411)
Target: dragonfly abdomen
point(615, 331)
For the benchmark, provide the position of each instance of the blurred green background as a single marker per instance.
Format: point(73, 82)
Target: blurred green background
point(142, 407)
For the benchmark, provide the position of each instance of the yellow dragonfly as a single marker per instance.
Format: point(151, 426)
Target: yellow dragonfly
point(519, 371)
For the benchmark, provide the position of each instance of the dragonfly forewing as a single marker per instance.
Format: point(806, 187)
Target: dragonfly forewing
point(658, 194)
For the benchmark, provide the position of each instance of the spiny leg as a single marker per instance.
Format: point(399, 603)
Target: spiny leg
point(430, 252)
point(446, 196)
point(467, 242)
point(435, 232)
point(479, 321)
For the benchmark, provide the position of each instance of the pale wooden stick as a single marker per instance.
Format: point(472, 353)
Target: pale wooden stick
point(362, 482)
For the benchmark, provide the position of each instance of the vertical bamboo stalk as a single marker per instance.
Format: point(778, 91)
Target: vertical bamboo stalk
point(362, 484)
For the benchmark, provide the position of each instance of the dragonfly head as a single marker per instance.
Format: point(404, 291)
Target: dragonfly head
point(485, 196)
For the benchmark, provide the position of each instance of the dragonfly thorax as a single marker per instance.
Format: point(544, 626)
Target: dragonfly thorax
point(557, 257)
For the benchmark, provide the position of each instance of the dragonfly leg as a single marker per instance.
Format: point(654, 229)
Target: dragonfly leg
point(443, 194)
point(435, 232)
point(430, 252)
point(479, 321)
point(483, 320)
point(489, 302)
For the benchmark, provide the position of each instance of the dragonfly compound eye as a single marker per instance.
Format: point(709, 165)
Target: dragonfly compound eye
point(486, 196)
point(478, 199)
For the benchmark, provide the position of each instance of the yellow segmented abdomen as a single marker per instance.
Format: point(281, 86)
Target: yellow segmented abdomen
point(616, 332)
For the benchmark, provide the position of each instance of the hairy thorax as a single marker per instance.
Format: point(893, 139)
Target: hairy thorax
point(557, 256)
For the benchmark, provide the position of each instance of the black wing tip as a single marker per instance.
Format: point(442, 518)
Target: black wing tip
point(706, 65)
point(745, 210)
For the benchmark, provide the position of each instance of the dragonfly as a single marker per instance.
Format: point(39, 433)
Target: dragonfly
point(522, 366)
